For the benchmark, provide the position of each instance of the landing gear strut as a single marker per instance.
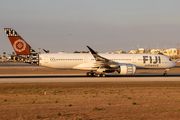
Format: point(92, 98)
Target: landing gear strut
point(95, 74)
point(165, 72)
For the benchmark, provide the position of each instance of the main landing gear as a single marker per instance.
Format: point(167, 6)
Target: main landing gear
point(90, 73)
point(165, 72)
point(93, 74)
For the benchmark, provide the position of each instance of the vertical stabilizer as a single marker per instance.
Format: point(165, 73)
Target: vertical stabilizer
point(20, 46)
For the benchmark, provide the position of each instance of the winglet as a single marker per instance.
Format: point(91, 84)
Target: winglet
point(95, 55)
point(91, 50)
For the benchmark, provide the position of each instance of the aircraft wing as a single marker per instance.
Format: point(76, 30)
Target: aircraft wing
point(101, 61)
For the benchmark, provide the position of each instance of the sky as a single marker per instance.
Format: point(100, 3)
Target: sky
point(104, 25)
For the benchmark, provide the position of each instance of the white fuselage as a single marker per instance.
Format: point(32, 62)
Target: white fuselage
point(85, 61)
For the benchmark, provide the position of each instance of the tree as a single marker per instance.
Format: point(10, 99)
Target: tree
point(4, 54)
point(160, 53)
point(39, 52)
point(76, 51)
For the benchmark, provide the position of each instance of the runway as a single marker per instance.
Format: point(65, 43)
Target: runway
point(75, 77)
point(82, 78)
point(17, 65)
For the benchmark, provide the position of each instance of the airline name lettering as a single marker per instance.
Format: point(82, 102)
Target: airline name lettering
point(155, 60)
point(11, 32)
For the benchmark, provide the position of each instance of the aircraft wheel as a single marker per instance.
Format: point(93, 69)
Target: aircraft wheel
point(165, 74)
point(103, 75)
point(99, 75)
point(88, 74)
point(92, 74)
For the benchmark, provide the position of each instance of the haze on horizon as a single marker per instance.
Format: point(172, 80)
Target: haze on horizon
point(103, 25)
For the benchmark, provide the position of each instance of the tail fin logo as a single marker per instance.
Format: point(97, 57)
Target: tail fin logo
point(19, 45)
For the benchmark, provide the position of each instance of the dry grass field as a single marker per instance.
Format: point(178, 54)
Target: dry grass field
point(90, 101)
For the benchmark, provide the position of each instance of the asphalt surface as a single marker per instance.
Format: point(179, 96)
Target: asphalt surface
point(82, 78)
point(17, 65)
point(29, 78)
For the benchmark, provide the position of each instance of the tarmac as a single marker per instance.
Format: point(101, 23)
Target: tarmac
point(32, 78)
point(17, 65)
point(82, 78)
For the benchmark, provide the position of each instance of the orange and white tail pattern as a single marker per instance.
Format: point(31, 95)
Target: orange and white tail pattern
point(20, 46)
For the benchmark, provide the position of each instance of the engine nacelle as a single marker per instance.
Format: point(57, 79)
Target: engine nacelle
point(127, 69)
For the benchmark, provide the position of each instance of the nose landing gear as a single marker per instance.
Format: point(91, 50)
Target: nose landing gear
point(165, 72)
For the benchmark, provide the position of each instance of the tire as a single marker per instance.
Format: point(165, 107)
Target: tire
point(88, 74)
point(165, 74)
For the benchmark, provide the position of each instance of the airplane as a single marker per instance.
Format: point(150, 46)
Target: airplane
point(98, 64)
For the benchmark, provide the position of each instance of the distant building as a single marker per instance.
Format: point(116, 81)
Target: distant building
point(132, 52)
point(171, 52)
point(156, 51)
point(140, 50)
point(147, 50)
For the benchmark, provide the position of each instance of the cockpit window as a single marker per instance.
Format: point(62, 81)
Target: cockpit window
point(170, 59)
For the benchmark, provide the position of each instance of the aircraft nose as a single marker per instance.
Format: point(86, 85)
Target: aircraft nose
point(174, 64)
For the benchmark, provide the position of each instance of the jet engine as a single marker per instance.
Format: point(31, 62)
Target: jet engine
point(127, 69)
